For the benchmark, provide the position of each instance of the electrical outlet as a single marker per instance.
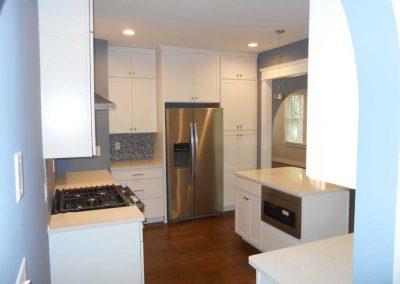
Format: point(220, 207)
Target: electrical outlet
point(117, 146)
point(98, 151)
point(19, 175)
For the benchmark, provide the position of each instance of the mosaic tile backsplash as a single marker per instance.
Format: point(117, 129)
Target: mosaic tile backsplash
point(133, 146)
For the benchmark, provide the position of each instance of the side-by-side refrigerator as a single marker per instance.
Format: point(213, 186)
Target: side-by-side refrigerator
point(194, 146)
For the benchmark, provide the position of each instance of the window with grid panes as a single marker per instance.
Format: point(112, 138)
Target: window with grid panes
point(295, 118)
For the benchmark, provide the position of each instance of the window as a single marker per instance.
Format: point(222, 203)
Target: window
point(295, 118)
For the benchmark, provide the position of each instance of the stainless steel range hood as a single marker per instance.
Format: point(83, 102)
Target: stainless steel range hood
point(101, 103)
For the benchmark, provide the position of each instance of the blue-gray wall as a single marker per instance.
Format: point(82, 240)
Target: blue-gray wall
point(101, 117)
point(22, 225)
point(291, 52)
point(377, 54)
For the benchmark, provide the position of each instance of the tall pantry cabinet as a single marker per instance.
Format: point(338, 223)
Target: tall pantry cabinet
point(239, 101)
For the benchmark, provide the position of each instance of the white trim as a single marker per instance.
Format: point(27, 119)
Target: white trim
point(289, 69)
point(131, 49)
point(205, 51)
point(289, 162)
point(229, 206)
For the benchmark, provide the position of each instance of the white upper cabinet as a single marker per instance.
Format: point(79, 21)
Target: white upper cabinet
point(129, 62)
point(136, 107)
point(239, 101)
point(66, 72)
point(190, 77)
point(238, 67)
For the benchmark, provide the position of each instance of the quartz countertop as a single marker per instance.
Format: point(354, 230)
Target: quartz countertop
point(133, 164)
point(326, 261)
point(291, 180)
point(91, 218)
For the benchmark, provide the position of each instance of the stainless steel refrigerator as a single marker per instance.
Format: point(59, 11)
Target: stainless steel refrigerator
point(194, 146)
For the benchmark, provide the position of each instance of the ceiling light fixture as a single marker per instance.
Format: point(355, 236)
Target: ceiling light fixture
point(252, 44)
point(128, 32)
point(279, 95)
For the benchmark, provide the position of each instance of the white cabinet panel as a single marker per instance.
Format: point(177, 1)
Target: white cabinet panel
point(153, 208)
point(206, 78)
point(145, 188)
point(119, 64)
point(64, 16)
point(229, 188)
point(273, 238)
point(119, 92)
point(238, 67)
point(66, 79)
point(247, 150)
point(135, 101)
point(239, 101)
point(143, 65)
point(231, 149)
point(144, 105)
point(130, 64)
point(254, 220)
point(242, 214)
point(179, 76)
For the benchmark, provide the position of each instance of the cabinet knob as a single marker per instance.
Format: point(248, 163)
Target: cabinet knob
point(135, 73)
point(241, 75)
point(129, 72)
point(241, 135)
point(240, 126)
point(237, 75)
point(196, 98)
point(135, 129)
point(130, 129)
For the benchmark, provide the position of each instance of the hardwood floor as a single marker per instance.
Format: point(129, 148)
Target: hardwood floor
point(200, 251)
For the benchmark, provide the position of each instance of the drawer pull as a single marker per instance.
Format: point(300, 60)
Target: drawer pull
point(138, 190)
point(136, 175)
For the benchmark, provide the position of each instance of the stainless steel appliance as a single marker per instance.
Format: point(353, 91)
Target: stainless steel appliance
point(194, 146)
point(94, 197)
point(281, 210)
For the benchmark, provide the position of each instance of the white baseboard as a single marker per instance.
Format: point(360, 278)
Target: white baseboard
point(289, 162)
point(229, 206)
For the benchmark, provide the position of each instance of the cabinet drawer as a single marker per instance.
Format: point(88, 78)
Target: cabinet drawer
point(153, 207)
point(145, 188)
point(128, 174)
point(249, 186)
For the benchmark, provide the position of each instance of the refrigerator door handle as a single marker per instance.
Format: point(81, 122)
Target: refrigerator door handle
point(193, 150)
point(196, 139)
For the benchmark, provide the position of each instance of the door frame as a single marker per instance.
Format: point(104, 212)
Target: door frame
point(285, 70)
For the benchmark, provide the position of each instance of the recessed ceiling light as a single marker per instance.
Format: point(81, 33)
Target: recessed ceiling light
point(252, 44)
point(128, 32)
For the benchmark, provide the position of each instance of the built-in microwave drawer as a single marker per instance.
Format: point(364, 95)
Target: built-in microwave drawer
point(281, 210)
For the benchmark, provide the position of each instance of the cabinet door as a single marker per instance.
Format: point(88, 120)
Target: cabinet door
point(231, 149)
point(247, 68)
point(144, 105)
point(247, 150)
point(229, 188)
point(255, 221)
point(229, 103)
point(119, 64)
point(242, 214)
point(180, 84)
point(206, 78)
point(119, 92)
point(143, 65)
point(229, 67)
point(246, 102)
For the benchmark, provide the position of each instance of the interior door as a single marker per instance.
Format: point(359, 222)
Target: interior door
point(179, 164)
point(209, 161)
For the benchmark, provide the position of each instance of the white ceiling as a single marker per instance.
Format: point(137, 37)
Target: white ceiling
point(211, 24)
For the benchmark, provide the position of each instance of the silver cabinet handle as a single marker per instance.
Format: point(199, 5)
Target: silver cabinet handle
point(136, 175)
point(138, 190)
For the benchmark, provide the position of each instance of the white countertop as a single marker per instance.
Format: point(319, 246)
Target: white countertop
point(326, 261)
point(92, 218)
point(133, 164)
point(291, 180)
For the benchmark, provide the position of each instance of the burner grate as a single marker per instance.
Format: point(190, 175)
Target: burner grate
point(90, 198)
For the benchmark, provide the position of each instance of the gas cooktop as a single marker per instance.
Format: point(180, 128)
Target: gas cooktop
point(92, 198)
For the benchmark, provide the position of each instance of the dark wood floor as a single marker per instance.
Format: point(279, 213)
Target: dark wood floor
point(200, 251)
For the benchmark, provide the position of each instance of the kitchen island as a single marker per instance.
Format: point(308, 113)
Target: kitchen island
point(96, 246)
point(281, 207)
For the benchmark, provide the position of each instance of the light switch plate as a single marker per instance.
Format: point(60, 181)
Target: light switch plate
point(117, 146)
point(19, 175)
point(98, 151)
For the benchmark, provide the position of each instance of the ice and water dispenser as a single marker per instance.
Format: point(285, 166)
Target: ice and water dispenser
point(182, 155)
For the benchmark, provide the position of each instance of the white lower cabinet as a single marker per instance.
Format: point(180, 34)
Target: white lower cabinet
point(273, 238)
point(248, 211)
point(147, 184)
